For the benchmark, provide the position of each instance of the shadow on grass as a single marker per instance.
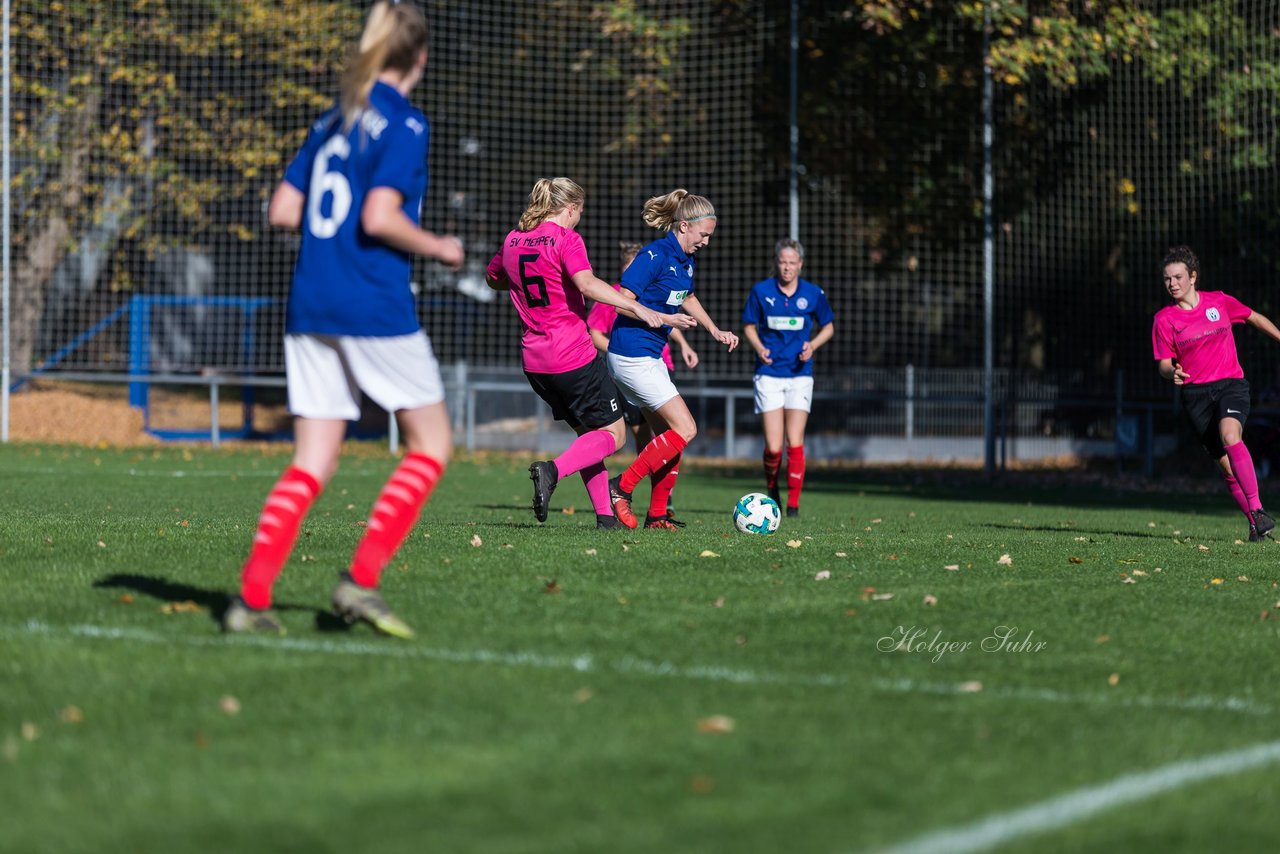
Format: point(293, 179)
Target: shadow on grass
point(215, 602)
point(1054, 529)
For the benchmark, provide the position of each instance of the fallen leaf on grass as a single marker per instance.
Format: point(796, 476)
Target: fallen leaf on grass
point(1081, 539)
point(876, 521)
point(930, 600)
point(1074, 559)
point(552, 588)
point(476, 541)
point(229, 705)
point(590, 552)
point(1102, 638)
point(1242, 578)
point(582, 695)
point(184, 607)
point(794, 544)
point(952, 567)
point(717, 724)
point(707, 553)
point(972, 687)
point(568, 511)
point(1266, 615)
point(1139, 572)
point(1202, 547)
point(30, 732)
point(881, 597)
point(822, 575)
point(1005, 560)
point(101, 544)
point(718, 603)
point(701, 784)
point(1113, 680)
point(842, 554)
point(125, 599)
point(1127, 580)
point(71, 715)
point(1215, 581)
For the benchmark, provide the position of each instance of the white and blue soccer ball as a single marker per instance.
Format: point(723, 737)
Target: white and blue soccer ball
point(756, 513)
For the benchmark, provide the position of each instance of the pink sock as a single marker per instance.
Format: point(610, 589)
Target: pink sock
point(1242, 468)
point(1238, 494)
point(586, 450)
point(596, 478)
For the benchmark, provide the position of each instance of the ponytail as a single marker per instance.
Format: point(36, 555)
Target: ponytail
point(394, 36)
point(663, 212)
point(548, 197)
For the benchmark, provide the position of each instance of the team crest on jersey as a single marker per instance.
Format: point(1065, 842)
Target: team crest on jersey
point(1213, 315)
point(677, 297)
point(802, 303)
point(689, 270)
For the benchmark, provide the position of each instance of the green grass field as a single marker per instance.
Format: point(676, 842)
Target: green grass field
point(581, 691)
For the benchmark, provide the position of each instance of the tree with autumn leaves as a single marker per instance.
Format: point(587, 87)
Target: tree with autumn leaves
point(169, 120)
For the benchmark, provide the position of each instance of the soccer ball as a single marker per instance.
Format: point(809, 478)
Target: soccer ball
point(756, 513)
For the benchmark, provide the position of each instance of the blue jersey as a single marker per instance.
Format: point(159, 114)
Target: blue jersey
point(661, 277)
point(784, 323)
point(345, 282)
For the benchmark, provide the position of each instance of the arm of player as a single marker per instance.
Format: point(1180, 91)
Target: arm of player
point(600, 340)
point(601, 291)
point(382, 217)
point(753, 338)
point(1171, 370)
point(687, 353)
point(1262, 322)
point(724, 336)
point(824, 335)
point(285, 209)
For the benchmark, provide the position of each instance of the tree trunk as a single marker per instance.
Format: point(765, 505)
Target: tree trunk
point(45, 247)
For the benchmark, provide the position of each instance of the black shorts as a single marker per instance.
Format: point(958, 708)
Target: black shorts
point(632, 414)
point(584, 397)
point(1209, 403)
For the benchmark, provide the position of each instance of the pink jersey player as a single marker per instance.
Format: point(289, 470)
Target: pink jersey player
point(1194, 346)
point(538, 264)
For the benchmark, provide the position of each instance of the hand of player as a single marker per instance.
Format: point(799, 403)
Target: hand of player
point(690, 357)
point(1179, 376)
point(449, 252)
point(649, 317)
point(727, 338)
point(806, 352)
point(763, 353)
point(679, 321)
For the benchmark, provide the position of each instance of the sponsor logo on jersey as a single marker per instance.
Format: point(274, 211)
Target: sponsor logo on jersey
point(776, 322)
point(677, 297)
point(1213, 315)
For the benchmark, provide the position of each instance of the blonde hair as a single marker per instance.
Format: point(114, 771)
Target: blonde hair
point(394, 36)
point(547, 198)
point(663, 212)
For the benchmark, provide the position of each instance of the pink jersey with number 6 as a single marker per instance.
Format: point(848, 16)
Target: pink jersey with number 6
point(540, 265)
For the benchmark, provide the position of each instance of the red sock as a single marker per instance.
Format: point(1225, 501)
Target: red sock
point(393, 515)
point(772, 462)
point(664, 480)
point(795, 474)
point(660, 451)
point(282, 514)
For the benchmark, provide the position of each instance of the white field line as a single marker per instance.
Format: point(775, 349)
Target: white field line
point(346, 471)
point(1073, 807)
point(586, 663)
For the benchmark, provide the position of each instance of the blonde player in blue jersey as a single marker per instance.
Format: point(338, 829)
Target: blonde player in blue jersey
point(661, 277)
point(779, 320)
point(355, 191)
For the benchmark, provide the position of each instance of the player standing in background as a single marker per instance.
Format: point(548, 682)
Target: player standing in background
point(778, 320)
point(1194, 346)
point(355, 190)
point(543, 266)
point(600, 323)
point(661, 276)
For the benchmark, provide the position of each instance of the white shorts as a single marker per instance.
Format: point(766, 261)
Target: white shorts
point(783, 393)
point(327, 373)
point(643, 380)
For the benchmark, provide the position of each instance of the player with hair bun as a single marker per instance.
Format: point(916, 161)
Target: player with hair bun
point(543, 266)
point(1195, 348)
point(351, 326)
point(661, 277)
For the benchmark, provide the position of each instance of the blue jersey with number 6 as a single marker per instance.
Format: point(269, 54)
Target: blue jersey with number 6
point(346, 282)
